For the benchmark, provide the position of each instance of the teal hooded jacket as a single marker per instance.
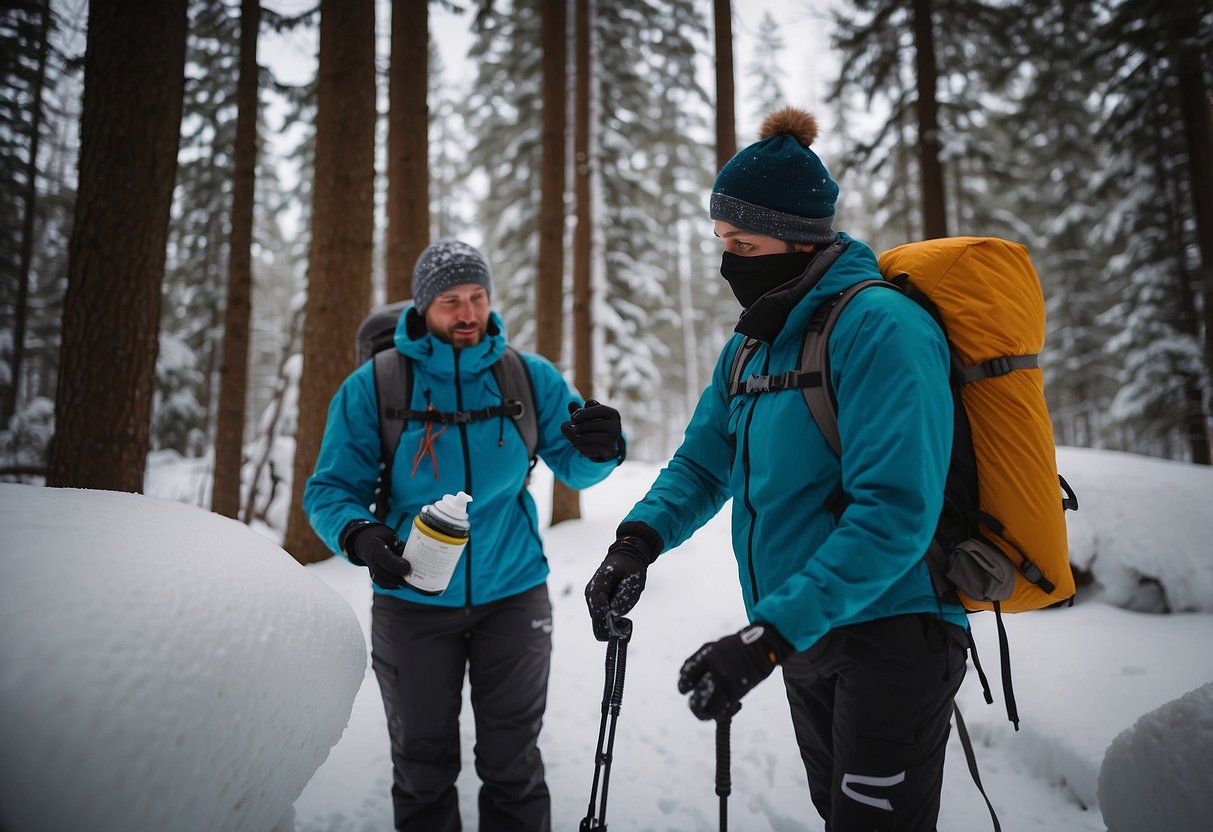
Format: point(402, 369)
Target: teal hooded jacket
point(487, 459)
point(801, 569)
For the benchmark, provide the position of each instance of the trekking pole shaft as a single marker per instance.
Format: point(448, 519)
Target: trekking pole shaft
point(621, 660)
point(723, 782)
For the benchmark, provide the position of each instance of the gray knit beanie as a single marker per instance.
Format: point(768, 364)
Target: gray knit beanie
point(445, 264)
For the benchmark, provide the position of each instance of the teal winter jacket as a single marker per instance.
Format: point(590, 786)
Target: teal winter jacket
point(487, 459)
point(802, 570)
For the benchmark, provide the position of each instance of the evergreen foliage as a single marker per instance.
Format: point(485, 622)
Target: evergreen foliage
point(1062, 128)
point(503, 118)
point(196, 274)
point(25, 431)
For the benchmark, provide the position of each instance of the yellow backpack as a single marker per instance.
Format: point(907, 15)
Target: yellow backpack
point(987, 297)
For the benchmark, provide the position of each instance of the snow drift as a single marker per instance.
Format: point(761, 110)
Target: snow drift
point(168, 669)
point(1151, 777)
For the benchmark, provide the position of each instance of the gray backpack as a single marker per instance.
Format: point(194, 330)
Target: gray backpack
point(375, 341)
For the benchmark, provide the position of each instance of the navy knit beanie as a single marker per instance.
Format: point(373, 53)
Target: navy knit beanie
point(445, 264)
point(777, 186)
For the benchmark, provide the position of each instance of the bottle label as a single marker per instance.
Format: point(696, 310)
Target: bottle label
point(433, 556)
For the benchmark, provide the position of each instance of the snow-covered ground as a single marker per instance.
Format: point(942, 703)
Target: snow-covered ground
point(1084, 676)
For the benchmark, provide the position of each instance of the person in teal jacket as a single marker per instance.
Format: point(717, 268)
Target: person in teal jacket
point(829, 548)
point(494, 619)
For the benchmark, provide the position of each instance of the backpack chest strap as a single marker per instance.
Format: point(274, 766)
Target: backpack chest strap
point(794, 380)
point(512, 408)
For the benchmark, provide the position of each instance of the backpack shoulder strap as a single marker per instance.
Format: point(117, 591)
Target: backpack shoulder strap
point(815, 360)
point(740, 358)
point(514, 379)
point(393, 392)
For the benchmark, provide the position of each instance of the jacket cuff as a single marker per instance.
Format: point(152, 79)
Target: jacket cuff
point(347, 535)
point(645, 533)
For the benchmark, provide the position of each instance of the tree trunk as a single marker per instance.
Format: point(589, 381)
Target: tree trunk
point(1198, 133)
point(408, 189)
point(726, 131)
point(339, 278)
point(549, 278)
point(583, 323)
point(566, 502)
point(934, 207)
point(9, 406)
point(133, 84)
point(233, 372)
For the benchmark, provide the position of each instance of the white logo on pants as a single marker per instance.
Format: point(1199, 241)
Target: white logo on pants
point(862, 780)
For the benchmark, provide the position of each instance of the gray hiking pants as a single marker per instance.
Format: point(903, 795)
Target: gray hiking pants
point(420, 653)
point(871, 705)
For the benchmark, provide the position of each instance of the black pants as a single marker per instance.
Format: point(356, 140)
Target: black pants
point(871, 705)
point(420, 654)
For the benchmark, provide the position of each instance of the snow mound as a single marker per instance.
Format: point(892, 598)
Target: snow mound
point(1157, 774)
point(161, 667)
point(1142, 529)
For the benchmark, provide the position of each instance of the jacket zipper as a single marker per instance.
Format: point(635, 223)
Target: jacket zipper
point(745, 470)
point(467, 479)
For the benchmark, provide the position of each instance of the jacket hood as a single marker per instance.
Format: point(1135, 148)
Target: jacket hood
point(438, 357)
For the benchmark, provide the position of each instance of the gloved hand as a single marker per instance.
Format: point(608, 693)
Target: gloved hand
point(595, 431)
point(618, 582)
point(376, 547)
point(721, 672)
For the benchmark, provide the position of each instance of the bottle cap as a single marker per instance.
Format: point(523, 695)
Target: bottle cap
point(454, 506)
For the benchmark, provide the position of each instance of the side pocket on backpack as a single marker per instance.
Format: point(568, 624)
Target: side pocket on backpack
point(980, 570)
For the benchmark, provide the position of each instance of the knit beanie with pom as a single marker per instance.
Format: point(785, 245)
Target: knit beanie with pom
point(777, 186)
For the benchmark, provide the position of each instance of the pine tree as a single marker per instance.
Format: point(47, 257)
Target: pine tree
point(408, 204)
point(1160, 342)
point(339, 268)
point(199, 238)
point(233, 373)
point(38, 18)
point(40, 97)
point(763, 70)
point(129, 130)
point(504, 116)
point(1052, 127)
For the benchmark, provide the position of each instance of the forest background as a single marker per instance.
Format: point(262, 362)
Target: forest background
point(199, 200)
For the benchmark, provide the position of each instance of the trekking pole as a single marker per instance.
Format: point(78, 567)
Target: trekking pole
point(620, 630)
point(724, 784)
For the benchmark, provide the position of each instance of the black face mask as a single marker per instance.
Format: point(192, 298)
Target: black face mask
point(752, 277)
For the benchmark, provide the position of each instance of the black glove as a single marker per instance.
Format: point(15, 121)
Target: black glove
point(617, 584)
point(376, 547)
point(721, 672)
point(595, 431)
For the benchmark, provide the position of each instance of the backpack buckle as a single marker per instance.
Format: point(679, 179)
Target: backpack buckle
point(758, 384)
point(999, 366)
point(514, 408)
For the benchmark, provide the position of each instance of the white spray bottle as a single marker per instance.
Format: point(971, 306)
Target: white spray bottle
point(438, 537)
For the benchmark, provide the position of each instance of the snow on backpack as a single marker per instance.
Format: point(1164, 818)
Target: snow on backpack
point(375, 340)
point(1001, 539)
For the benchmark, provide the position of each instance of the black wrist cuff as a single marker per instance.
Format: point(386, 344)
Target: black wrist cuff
point(777, 647)
point(347, 536)
point(651, 543)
